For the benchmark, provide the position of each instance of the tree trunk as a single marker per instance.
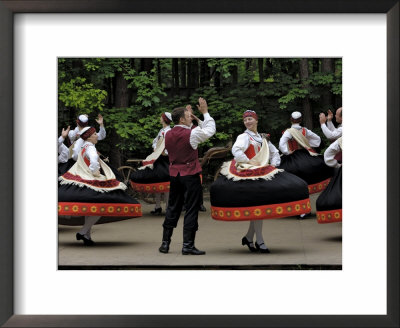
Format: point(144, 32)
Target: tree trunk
point(217, 79)
point(183, 73)
point(234, 72)
point(195, 73)
point(261, 70)
point(146, 64)
point(175, 75)
point(159, 78)
point(327, 99)
point(121, 101)
point(307, 118)
point(204, 73)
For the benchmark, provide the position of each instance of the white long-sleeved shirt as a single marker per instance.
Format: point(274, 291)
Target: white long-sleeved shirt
point(330, 131)
point(330, 153)
point(63, 151)
point(313, 139)
point(243, 142)
point(162, 132)
point(201, 134)
point(79, 142)
point(93, 156)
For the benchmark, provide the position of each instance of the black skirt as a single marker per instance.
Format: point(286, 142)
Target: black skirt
point(284, 195)
point(83, 201)
point(329, 203)
point(312, 169)
point(155, 180)
point(64, 167)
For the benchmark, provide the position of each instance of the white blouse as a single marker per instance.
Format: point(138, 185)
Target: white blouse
point(312, 138)
point(63, 151)
point(243, 142)
point(163, 131)
point(330, 153)
point(93, 156)
point(330, 131)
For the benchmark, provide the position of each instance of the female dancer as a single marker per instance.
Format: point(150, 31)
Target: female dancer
point(153, 176)
point(89, 189)
point(301, 159)
point(250, 186)
point(329, 203)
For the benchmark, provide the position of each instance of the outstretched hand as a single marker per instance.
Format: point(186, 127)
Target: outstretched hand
point(322, 118)
point(99, 119)
point(330, 115)
point(202, 106)
point(65, 132)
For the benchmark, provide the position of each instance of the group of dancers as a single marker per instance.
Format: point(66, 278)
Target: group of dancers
point(257, 184)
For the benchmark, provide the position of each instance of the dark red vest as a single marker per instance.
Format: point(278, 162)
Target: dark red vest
point(183, 159)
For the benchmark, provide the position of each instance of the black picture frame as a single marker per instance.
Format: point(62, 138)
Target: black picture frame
point(10, 7)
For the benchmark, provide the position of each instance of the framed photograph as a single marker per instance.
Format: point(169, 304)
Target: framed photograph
point(33, 287)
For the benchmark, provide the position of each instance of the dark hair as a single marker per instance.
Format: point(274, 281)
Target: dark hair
point(177, 113)
point(298, 120)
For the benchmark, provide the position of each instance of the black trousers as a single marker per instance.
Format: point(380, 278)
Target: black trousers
point(184, 190)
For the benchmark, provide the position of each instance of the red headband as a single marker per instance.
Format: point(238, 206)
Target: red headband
point(88, 133)
point(250, 113)
point(165, 118)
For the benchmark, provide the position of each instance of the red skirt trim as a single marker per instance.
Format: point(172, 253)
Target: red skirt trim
point(318, 187)
point(158, 187)
point(102, 209)
point(95, 183)
point(261, 212)
point(329, 216)
point(259, 172)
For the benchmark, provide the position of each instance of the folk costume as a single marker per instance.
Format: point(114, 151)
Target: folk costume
point(63, 155)
point(245, 192)
point(75, 143)
point(153, 175)
point(90, 189)
point(299, 157)
point(329, 203)
point(330, 131)
point(181, 143)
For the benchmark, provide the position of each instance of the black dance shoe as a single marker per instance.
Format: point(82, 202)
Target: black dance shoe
point(246, 242)
point(164, 248)
point(191, 250)
point(156, 211)
point(202, 208)
point(86, 241)
point(262, 250)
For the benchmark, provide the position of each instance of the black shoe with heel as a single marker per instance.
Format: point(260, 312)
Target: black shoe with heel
point(86, 241)
point(246, 242)
point(262, 250)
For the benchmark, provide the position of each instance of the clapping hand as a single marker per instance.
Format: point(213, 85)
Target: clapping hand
point(64, 133)
point(322, 118)
point(202, 106)
point(330, 115)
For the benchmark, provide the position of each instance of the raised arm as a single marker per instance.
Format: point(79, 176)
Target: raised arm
point(207, 130)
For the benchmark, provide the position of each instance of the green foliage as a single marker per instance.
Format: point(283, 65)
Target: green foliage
point(78, 94)
point(87, 85)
